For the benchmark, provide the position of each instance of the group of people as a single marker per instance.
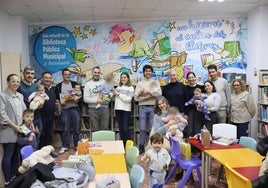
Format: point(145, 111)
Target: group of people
point(176, 109)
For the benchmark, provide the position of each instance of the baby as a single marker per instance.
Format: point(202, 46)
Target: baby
point(26, 136)
point(158, 159)
point(38, 98)
point(106, 91)
point(198, 95)
point(176, 123)
point(76, 91)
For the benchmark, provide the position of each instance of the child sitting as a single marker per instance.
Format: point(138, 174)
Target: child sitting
point(198, 95)
point(176, 123)
point(106, 91)
point(38, 98)
point(158, 159)
point(26, 136)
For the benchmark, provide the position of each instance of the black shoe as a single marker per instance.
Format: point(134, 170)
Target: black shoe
point(141, 149)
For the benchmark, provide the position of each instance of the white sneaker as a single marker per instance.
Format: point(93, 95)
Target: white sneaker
point(62, 150)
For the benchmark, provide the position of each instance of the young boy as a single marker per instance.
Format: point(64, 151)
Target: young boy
point(106, 90)
point(158, 159)
point(26, 136)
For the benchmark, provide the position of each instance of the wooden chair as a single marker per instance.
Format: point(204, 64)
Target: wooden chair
point(132, 154)
point(103, 135)
point(136, 176)
point(234, 179)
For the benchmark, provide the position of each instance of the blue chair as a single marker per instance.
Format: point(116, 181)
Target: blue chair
point(137, 175)
point(187, 165)
point(103, 135)
point(26, 151)
point(248, 142)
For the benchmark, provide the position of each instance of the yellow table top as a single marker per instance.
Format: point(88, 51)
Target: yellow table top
point(109, 163)
point(239, 157)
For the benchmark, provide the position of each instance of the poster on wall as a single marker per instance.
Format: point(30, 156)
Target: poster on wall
point(183, 45)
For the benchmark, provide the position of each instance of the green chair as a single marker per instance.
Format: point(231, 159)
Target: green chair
point(103, 135)
point(132, 154)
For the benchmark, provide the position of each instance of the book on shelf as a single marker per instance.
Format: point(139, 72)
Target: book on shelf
point(265, 78)
point(264, 95)
point(225, 141)
point(263, 129)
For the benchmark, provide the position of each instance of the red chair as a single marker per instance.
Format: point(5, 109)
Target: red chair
point(187, 165)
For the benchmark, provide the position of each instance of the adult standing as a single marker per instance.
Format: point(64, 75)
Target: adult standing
point(99, 116)
point(190, 111)
point(175, 92)
point(160, 111)
point(27, 87)
point(70, 113)
point(145, 95)
point(47, 113)
point(123, 98)
point(243, 108)
point(11, 109)
point(213, 102)
point(223, 89)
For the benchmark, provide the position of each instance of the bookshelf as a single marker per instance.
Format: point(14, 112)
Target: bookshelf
point(263, 103)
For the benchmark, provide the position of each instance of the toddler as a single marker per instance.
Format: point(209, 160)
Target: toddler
point(26, 136)
point(176, 123)
point(198, 95)
point(38, 98)
point(106, 91)
point(77, 91)
point(158, 159)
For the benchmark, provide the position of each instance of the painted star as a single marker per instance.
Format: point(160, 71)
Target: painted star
point(35, 31)
point(84, 36)
point(76, 31)
point(93, 32)
point(86, 28)
point(171, 26)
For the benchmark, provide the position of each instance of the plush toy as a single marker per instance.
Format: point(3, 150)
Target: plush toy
point(39, 156)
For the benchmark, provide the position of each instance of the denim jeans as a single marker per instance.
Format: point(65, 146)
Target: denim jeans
point(71, 122)
point(99, 118)
point(123, 118)
point(146, 118)
point(10, 159)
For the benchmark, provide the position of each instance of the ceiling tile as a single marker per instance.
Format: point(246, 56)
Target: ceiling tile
point(72, 3)
point(47, 11)
point(141, 4)
point(109, 4)
point(136, 13)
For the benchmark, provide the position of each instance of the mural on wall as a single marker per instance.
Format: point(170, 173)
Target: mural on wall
point(184, 45)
